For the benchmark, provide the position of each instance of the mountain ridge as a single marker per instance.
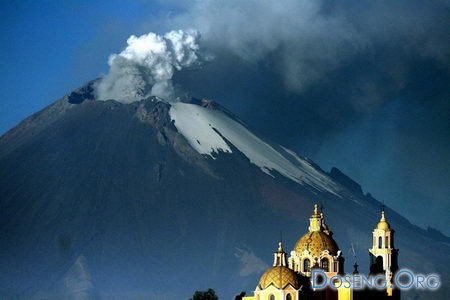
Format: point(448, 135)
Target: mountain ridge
point(104, 180)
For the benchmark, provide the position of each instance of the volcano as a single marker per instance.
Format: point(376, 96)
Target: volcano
point(157, 199)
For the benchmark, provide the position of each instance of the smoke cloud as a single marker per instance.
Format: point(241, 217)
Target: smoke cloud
point(302, 40)
point(250, 263)
point(364, 82)
point(146, 66)
point(78, 282)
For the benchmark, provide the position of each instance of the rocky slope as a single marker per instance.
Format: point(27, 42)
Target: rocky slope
point(154, 200)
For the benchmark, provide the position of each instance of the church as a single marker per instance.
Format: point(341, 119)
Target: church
point(290, 278)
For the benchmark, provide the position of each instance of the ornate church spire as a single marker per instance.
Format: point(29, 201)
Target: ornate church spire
point(279, 257)
point(383, 255)
point(315, 221)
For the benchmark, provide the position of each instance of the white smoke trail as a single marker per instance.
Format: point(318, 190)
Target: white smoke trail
point(146, 66)
point(78, 282)
point(250, 263)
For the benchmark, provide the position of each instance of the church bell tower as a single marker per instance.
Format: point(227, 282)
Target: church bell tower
point(383, 255)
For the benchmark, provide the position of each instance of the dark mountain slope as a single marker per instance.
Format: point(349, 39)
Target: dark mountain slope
point(107, 200)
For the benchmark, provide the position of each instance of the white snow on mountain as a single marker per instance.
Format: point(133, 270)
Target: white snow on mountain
point(209, 131)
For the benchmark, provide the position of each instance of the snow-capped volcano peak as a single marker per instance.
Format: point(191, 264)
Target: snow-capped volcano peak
point(115, 180)
point(211, 131)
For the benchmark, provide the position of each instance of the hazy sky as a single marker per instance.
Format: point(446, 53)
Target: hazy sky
point(360, 85)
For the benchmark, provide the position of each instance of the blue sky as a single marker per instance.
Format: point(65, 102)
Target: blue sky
point(51, 47)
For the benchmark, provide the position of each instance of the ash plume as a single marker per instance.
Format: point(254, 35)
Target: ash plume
point(146, 66)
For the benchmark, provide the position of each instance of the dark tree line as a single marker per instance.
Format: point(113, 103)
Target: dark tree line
point(210, 294)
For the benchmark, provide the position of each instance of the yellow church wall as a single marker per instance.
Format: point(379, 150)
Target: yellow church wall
point(389, 291)
point(277, 293)
point(345, 293)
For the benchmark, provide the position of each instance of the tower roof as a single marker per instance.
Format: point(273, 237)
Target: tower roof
point(280, 247)
point(280, 277)
point(383, 224)
point(316, 242)
point(318, 238)
point(316, 211)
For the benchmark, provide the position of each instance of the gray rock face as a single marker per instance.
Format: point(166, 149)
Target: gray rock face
point(105, 200)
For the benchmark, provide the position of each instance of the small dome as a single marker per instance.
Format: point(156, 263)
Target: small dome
point(383, 224)
point(279, 277)
point(316, 242)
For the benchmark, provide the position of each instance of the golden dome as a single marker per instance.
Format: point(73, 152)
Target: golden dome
point(316, 242)
point(279, 277)
point(383, 224)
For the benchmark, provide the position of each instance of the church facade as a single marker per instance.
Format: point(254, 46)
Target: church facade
point(290, 278)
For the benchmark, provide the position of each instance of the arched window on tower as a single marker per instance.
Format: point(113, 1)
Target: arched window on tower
point(288, 297)
point(376, 266)
point(386, 242)
point(271, 297)
point(325, 264)
point(380, 242)
point(306, 265)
